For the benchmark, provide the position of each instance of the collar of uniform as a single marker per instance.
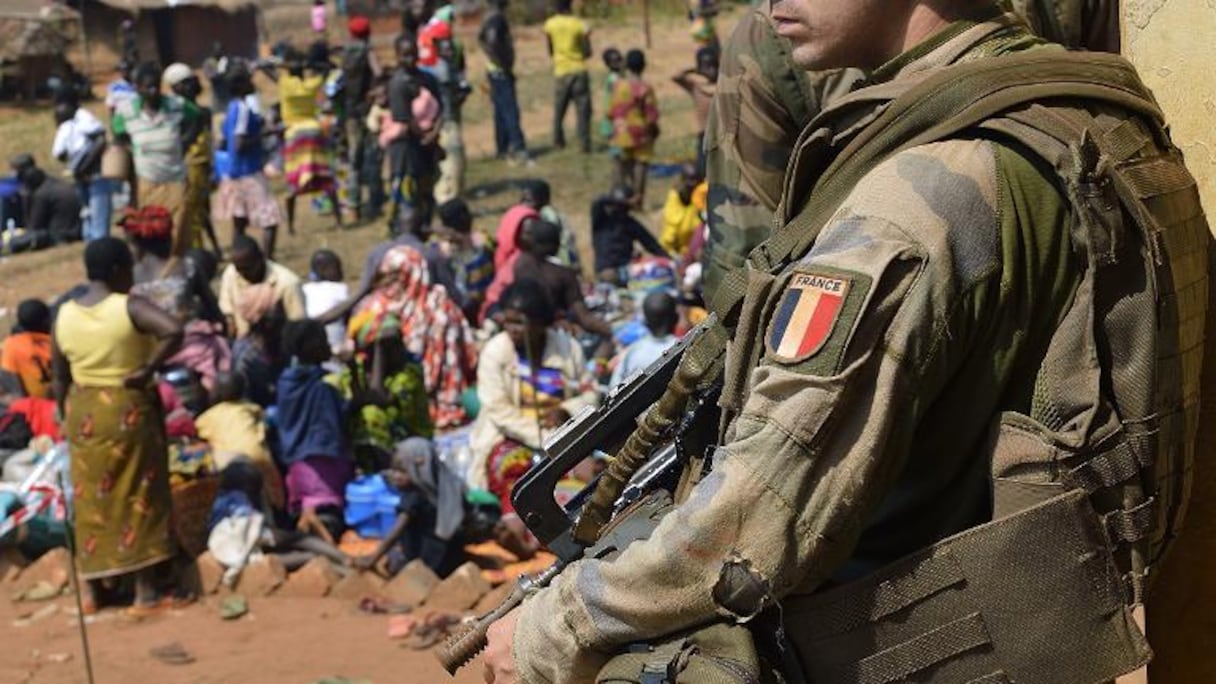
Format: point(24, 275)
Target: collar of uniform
point(945, 46)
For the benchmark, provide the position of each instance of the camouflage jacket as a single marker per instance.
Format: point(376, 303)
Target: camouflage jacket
point(887, 353)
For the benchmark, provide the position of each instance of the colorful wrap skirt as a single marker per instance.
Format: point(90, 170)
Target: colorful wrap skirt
point(120, 479)
point(308, 158)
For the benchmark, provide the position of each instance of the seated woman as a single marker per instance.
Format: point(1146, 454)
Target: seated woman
point(182, 287)
point(388, 396)
point(312, 437)
point(530, 379)
point(431, 325)
point(240, 526)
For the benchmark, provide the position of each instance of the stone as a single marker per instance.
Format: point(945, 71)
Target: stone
point(51, 569)
point(210, 573)
point(412, 585)
point(355, 587)
point(262, 577)
point(494, 599)
point(314, 580)
point(460, 591)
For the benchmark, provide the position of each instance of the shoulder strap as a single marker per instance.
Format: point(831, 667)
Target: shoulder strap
point(939, 107)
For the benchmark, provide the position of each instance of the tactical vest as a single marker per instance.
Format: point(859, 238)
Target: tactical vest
point(1090, 488)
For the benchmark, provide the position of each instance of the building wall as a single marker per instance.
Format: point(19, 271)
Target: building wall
point(1170, 42)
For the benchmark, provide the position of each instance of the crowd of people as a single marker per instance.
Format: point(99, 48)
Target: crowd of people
point(437, 376)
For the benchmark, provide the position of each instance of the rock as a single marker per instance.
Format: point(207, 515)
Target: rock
point(355, 587)
point(401, 626)
point(412, 585)
point(40, 614)
point(314, 580)
point(51, 569)
point(460, 591)
point(262, 577)
point(210, 573)
point(494, 599)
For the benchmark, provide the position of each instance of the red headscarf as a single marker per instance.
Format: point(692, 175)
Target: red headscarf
point(359, 27)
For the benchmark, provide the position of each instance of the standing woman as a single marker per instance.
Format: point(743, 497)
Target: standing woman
point(306, 149)
point(107, 347)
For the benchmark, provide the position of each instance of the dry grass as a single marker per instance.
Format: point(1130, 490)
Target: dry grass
point(576, 178)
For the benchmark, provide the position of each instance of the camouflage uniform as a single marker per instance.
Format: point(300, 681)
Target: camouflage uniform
point(764, 101)
point(866, 431)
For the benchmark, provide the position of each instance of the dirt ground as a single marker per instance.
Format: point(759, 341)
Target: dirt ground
point(287, 640)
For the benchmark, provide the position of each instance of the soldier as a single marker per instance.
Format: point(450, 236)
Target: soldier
point(974, 333)
point(766, 101)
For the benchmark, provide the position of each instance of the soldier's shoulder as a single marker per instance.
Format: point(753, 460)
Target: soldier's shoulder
point(944, 197)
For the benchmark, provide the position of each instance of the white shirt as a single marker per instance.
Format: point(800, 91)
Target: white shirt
point(319, 297)
point(72, 136)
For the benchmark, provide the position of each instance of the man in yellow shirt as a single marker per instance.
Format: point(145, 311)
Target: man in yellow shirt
point(569, 40)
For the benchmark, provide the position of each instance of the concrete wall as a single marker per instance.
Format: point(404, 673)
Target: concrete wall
point(1170, 41)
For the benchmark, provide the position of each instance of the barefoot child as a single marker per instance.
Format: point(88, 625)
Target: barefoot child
point(236, 428)
point(312, 437)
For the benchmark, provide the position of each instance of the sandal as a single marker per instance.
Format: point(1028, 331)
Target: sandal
point(161, 605)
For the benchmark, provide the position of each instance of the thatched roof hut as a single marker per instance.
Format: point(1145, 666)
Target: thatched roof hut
point(173, 30)
point(34, 38)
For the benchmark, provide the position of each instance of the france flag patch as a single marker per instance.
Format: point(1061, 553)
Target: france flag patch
point(806, 316)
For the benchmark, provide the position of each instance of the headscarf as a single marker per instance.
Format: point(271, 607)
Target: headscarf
point(417, 458)
point(432, 327)
point(359, 27)
point(255, 301)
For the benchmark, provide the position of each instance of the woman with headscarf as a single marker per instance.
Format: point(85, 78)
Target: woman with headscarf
point(308, 154)
point(107, 346)
point(430, 513)
point(182, 287)
point(432, 326)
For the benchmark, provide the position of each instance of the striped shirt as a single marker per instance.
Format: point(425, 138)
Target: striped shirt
point(156, 142)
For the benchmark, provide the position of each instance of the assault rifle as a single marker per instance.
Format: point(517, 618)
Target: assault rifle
point(643, 448)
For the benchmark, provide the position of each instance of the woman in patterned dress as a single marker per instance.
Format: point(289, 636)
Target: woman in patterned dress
point(107, 347)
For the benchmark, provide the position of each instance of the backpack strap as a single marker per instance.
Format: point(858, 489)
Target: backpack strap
point(938, 107)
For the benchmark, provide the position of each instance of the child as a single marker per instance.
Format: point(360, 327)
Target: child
point(312, 436)
point(324, 290)
point(701, 83)
point(236, 428)
point(432, 520)
point(660, 314)
point(319, 18)
point(614, 62)
point(239, 530)
point(472, 262)
point(635, 125)
point(26, 353)
point(372, 173)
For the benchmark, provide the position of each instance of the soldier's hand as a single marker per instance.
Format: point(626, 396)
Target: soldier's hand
point(500, 664)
